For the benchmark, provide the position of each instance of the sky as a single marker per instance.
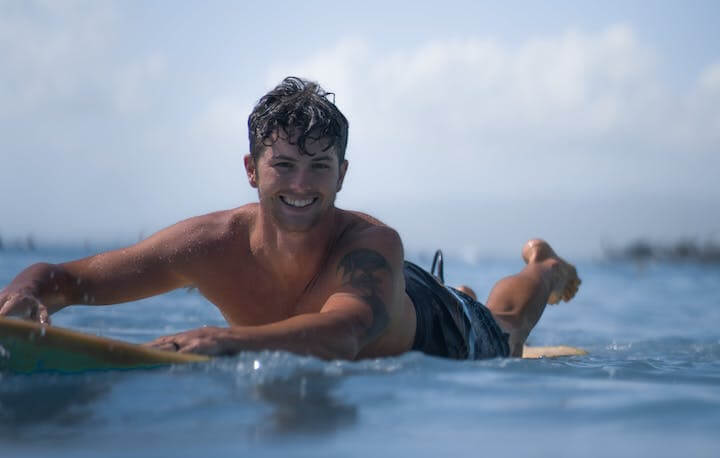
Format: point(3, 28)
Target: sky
point(473, 125)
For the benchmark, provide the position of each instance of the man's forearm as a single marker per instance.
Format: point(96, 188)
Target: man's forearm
point(327, 335)
point(318, 334)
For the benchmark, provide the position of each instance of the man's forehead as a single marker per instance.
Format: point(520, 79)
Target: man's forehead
point(295, 153)
point(317, 149)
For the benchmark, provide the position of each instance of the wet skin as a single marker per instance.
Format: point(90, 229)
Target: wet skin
point(292, 272)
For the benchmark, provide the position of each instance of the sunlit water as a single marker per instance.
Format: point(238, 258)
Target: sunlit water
point(650, 386)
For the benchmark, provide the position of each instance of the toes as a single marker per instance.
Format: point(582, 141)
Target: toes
point(571, 290)
point(554, 298)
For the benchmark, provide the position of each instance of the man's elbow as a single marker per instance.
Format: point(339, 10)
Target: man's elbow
point(347, 350)
point(350, 340)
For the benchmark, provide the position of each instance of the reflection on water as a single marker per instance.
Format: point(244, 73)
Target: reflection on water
point(46, 400)
point(648, 386)
point(303, 403)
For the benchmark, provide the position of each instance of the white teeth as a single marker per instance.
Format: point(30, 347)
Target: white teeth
point(297, 202)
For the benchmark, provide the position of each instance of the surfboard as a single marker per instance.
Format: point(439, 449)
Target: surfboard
point(27, 347)
point(552, 352)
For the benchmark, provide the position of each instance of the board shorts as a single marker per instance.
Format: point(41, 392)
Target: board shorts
point(450, 323)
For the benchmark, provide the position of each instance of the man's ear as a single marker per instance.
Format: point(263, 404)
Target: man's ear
point(251, 170)
point(343, 171)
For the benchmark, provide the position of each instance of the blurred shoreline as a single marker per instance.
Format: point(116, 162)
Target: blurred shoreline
point(685, 250)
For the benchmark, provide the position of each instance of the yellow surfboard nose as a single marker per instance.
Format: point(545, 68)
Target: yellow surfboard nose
point(27, 347)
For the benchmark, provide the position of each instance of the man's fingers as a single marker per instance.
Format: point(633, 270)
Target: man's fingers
point(169, 346)
point(14, 306)
point(6, 305)
point(201, 341)
point(44, 315)
point(3, 302)
point(163, 343)
point(35, 310)
point(26, 307)
point(155, 343)
point(202, 347)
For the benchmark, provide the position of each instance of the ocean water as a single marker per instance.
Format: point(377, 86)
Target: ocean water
point(649, 387)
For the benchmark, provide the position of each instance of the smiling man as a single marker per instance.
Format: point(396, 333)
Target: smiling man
point(293, 272)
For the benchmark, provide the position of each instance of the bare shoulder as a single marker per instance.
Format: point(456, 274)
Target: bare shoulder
point(214, 229)
point(185, 241)
point(364, 232)
point(171, 258)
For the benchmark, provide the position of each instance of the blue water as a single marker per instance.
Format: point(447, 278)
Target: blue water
point(649, 387)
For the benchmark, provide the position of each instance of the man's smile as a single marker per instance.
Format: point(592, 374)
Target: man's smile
point(298, 203)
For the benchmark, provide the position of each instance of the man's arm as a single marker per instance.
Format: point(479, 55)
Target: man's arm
point(369, 282)
point(152, 266)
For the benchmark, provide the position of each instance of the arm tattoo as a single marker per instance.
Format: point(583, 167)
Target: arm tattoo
point(360, 269)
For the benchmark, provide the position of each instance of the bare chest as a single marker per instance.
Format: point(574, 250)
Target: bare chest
point(246, 296)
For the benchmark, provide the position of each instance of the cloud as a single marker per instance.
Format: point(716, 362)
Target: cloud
point(574, 136)
point(77, 113)
point(710, 78)
point(569, 108)
point(55, 54)
point(106, 130)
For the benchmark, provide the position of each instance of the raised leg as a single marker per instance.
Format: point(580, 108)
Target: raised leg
point(517, 302)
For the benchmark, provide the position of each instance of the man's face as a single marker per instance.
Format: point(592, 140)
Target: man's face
point(296, 189)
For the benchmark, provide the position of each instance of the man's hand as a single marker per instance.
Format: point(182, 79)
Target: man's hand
point(24, 303)
point(208, 340)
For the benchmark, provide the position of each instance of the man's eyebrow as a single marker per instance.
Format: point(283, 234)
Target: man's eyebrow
point(326, 157)
point(284, 157)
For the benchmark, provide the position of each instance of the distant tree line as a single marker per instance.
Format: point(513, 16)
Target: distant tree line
point(685, 250)
point(24, 244)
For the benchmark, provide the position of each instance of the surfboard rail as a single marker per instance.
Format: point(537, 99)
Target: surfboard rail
point(552, 352)
point(28, 347)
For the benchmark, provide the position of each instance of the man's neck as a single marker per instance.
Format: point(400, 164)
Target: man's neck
point(293, 256)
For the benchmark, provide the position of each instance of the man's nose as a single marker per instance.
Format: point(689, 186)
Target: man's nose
point(301, 179)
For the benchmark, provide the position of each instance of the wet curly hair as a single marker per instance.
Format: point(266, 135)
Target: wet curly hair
point(303, 110)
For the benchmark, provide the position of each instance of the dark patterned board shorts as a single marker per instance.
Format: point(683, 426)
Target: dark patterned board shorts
point(449, 323)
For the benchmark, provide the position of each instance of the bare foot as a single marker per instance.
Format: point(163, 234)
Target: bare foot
point(565, 281)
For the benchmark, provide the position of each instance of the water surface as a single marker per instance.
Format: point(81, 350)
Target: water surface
point(650, 385)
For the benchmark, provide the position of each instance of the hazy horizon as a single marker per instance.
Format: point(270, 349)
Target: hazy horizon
point(473, 125)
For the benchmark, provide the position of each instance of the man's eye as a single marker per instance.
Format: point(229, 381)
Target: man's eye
point(283, 165)
point(321, 166)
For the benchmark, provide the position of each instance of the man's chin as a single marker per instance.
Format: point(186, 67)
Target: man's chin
point(299, 221)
